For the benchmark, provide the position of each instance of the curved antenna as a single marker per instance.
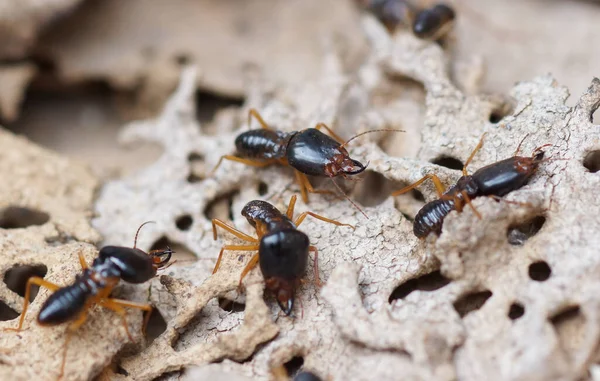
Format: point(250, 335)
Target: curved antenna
point(348, 198)
point(368, 132)
point(521, 142)
point(138, 232)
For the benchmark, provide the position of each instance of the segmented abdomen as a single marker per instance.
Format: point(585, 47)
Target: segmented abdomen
point(431, 217)
point(63, 305)
point(262, 144)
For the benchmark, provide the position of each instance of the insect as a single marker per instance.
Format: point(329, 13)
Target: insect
point(494, 180)
point(282, 248)
point(94, 285)
point(427, 23)
point(308, 152)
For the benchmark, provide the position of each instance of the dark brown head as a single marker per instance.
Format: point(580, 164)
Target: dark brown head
point(284, 291)
point(529, 165)
point(342, 164)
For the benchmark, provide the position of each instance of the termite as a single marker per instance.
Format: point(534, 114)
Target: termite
point(494, 180)
point(94, 286)
point(308, 152)
point(282, 250)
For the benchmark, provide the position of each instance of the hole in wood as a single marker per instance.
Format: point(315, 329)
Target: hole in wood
point(16, 217)
point(471, 302)
point(428, 282)
point(17, 276)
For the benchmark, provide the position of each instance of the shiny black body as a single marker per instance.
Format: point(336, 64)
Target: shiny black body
point(309, 151)
point(429, 22)
point(283, 251)
point(497, 179)
point(263, 144)
point(113, 263)
point(431, 216)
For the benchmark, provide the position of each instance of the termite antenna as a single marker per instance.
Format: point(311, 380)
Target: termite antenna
point(349, 199)
point(368, 132)
point(138, 232)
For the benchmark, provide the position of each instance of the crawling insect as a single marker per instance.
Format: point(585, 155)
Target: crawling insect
point(433, 23)
point(94, 285)
point(308, 152)
point(427, 23)
point(282, 248)
point(494, 180)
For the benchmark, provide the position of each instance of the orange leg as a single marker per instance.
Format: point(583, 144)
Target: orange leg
point(468, 201)
point(74, 326)
point(117, 306)
point(31, 281)
point(235, 248)
point(306, 187)
point(250, 162)
point(252, 264)
point(477, 148)
point(302, 216)
point(82, 261)
point(316, 265)
point(333, 134)
point(303, 192)
point(290, 209)
point(436, 181)
point(243, 236)
point(253, 113)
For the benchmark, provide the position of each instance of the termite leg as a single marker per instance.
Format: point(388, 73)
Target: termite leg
point(302, 216)
point(31, 281)
point(254, 113)
point(303, 192)
point(291, 205)
point(468, 201)
point(252, 163)
point(241, 235)
point(235, 248)
point(82, 261)
point(74, 326)
point(118, 304)
point(252, 264)
point(333, 134)
point(477, 148)
point(306, 186)
point(436, 181)
point(316, 265)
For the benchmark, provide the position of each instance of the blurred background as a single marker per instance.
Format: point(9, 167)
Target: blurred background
point(72, 72)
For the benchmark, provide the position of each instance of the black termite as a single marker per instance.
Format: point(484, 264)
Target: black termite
point(433, 23)
point(494, 180)
point(308, 152)
point(282, 250)
point(94, 285)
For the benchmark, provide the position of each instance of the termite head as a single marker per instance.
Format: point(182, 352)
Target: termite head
point(160, 258)
point(343, 165)
point(284, 293)
point(529, 165)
